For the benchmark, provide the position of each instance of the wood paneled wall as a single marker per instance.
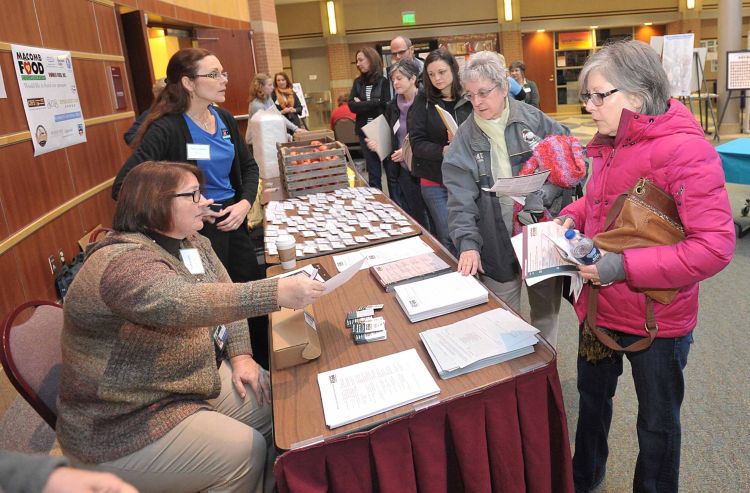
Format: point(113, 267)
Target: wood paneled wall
point(32, 187)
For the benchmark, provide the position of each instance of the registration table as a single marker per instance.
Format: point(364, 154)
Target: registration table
point(502, 428)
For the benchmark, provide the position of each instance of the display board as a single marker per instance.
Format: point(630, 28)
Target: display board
point(50, 97)
point(677, 60)
point(738, 70)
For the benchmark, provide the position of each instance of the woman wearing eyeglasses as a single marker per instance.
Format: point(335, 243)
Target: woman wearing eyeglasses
point(185, 125)
point(642, 132)
point(158, 383)
point(494, 143)
point(430, 137)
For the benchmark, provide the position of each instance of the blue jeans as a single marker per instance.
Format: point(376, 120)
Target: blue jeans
point(372, 164)
point(436, 200)
point(660, 387)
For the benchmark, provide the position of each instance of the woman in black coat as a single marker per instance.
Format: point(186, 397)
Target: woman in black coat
point(430, 137)
point(368, 98)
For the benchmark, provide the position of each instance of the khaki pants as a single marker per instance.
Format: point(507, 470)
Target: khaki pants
point(227, 449)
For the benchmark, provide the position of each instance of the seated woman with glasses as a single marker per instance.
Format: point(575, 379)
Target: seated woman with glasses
point(158, 382)
point(185, 125)
point(495, 143)
point(430, 137)
point(642, 132)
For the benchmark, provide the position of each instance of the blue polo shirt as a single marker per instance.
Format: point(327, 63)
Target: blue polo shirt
point(216, 170)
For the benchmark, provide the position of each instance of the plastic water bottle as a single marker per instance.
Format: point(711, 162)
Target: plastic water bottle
point(583, 249)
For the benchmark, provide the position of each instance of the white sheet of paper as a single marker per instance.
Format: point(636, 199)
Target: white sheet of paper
point(342, 277)
point(448, 120)
point(380, 254)
point(519, 185)
point(379, 131)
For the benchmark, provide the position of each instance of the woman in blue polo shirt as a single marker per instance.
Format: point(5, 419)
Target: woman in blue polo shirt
point(184, 125)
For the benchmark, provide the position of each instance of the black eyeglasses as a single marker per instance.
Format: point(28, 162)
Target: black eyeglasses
point(596, 97)
point(399, 53)
point(214, 75)
point(195, 195)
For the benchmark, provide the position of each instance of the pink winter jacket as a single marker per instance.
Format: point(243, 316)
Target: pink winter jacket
point(670, 150)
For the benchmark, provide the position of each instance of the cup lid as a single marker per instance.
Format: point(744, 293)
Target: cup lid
point(285, 240)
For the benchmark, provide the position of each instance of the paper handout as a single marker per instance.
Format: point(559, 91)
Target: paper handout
point(343, 277)
point(379, 131)
point(519, 185)
point(448, 120)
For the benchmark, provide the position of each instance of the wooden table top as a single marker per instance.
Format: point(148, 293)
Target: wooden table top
point(297, 406)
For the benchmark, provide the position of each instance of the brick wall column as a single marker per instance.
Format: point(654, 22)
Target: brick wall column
point(339, 68)
point(511, 45)
point(265, 36)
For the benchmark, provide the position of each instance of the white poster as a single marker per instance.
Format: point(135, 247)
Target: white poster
point(50, 97)
point(3, 94)
point(297, 87)
point(677, 60)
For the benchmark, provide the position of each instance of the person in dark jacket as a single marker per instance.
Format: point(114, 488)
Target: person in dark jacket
point(518, 72)
point(185, 126)
point(156, 89)
point(404, 76)
point(367, 99)
point(430, 137)
point(286, 99)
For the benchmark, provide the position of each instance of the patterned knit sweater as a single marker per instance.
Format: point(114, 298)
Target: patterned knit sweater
point(138, 352)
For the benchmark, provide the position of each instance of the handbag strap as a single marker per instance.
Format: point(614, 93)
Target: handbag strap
point(651, 326)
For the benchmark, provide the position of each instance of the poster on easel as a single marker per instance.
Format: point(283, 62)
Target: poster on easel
point(297, 88)
point(738, 70)
point(50, 97)
point(677, 60)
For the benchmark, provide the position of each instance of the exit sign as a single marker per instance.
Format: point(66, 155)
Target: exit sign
point(408, 18)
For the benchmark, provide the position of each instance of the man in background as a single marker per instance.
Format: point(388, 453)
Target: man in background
point(401, 48)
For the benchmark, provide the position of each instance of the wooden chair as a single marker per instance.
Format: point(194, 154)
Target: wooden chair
point(31, 354)
point(344, 130)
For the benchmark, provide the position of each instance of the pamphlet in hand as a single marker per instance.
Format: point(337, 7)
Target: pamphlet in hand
point(518, 186)
point(541, 256)
point(448, 120)
point(379, 131)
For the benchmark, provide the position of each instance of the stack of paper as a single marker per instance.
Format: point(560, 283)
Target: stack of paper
point(477, 342)
point(359, 391)
point(439, 295)
point(408, 270)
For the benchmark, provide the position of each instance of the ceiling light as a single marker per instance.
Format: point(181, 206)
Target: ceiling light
point(331, 17)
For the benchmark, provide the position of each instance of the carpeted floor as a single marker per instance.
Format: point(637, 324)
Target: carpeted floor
point(716, 427)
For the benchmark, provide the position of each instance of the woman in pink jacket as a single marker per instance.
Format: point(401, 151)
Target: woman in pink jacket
point(644, 133)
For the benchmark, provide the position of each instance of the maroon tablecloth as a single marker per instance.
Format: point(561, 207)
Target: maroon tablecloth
point(509, 437)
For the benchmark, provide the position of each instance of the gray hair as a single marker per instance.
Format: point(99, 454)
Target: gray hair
point(485, 65)
point(634, 68)
point(406, 67)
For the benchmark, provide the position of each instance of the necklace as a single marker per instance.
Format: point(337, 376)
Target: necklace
point(204, 123)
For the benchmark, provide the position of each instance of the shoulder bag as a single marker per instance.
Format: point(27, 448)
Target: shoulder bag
point(645, 216)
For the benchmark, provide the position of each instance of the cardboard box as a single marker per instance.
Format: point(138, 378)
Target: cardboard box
point(294, 340)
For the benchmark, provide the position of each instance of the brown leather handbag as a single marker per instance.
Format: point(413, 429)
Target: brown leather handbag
point(645, 216)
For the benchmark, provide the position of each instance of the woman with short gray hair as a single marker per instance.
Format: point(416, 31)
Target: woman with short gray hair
point(495, 142)
point(642, 133)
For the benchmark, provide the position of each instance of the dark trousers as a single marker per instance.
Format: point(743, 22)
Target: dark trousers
point(660, 387)
point(412, 198)
point(237, 254)
point(372, 164)
point(392, 173)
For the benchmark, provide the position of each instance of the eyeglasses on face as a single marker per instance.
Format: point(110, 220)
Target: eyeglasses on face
point(399, 53)
point(214, 75)
point(481, 94)
point(195, 195)
point(596, 97)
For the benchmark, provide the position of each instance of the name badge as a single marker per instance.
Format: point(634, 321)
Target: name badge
point(396, 126)
point(198, 152)
point(225, 134)
point(526, 89)
point(192, 260)
point(220, 336)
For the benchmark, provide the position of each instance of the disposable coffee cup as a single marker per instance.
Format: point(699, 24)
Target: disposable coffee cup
point(285, 245)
